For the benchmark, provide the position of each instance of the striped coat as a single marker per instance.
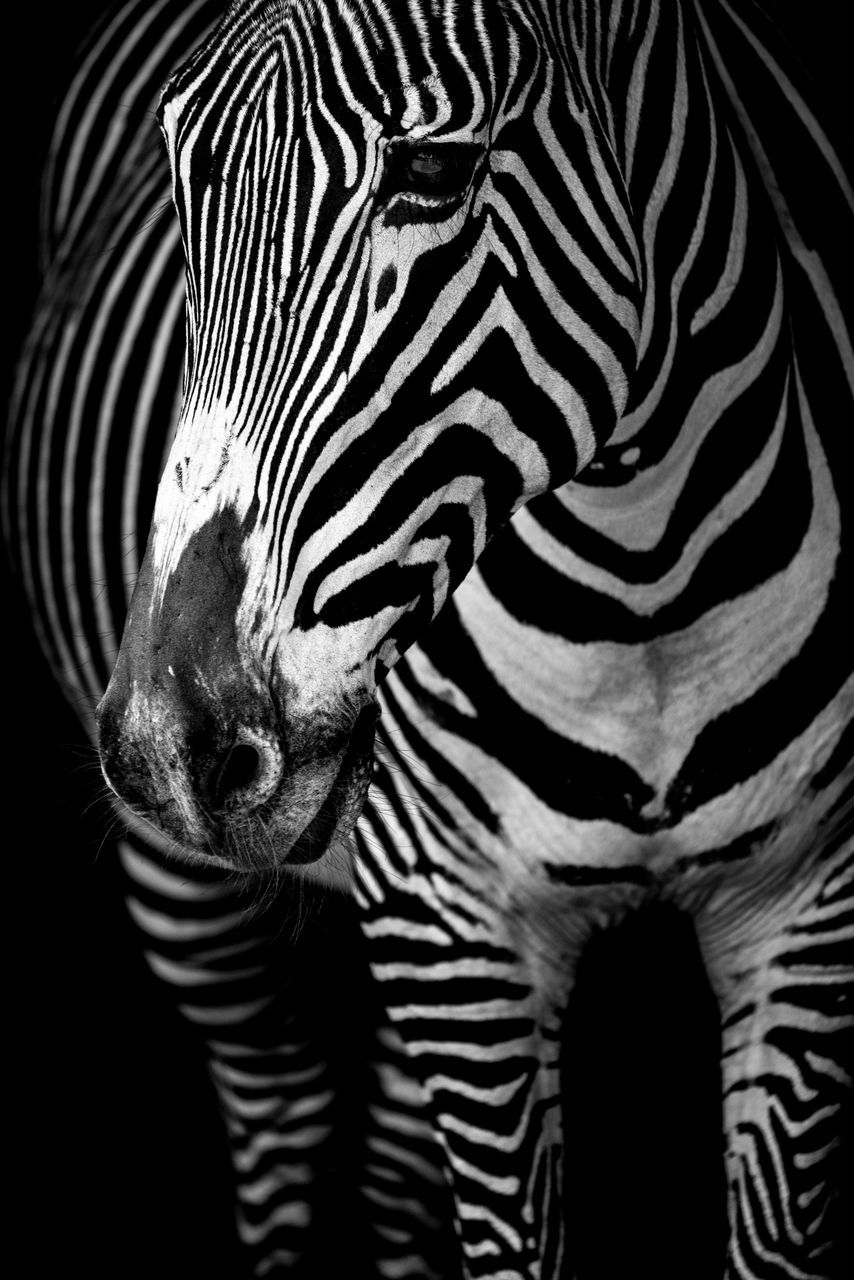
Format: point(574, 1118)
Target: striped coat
point(649, 790)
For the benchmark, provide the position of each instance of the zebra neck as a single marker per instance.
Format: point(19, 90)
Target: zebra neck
point(715, 393)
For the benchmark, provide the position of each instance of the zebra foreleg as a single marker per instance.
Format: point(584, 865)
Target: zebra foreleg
point(403, 1180)
point(278, 1088)
point(489, 1056)
point(500, 1125)
point(783, 971)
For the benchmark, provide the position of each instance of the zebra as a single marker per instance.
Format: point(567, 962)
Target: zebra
point(511, 337)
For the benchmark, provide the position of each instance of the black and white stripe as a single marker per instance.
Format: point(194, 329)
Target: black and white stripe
point(552, 462)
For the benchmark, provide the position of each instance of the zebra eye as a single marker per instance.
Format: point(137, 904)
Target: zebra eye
point(426, 166)
point(436, 173)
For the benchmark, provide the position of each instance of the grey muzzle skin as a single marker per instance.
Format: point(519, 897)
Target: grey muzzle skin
point(208, 751)
point(232, 792)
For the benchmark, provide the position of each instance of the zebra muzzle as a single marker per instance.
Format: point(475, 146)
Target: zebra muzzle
point(247, 795)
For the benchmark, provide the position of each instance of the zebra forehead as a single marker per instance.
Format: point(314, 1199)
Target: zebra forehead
point(418, 67)
point(381, 23)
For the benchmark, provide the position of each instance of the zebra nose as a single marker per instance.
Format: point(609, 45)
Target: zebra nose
point(246, 777)
point(154, 753)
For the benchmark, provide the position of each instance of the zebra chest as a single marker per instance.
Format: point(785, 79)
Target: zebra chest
point(488, 674)
point(609, 755)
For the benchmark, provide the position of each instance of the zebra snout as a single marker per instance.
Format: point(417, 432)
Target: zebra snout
point(229, 778)
point(186, 767)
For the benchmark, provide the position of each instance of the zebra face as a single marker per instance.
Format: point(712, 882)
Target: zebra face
point(412, 304)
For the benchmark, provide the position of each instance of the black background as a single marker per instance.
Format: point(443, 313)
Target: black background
point(116, 1156)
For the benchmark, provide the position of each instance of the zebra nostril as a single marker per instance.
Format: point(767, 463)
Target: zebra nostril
point(246, 777)
point(237, 772)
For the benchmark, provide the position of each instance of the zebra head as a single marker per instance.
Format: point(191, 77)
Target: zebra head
point(412, 305)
